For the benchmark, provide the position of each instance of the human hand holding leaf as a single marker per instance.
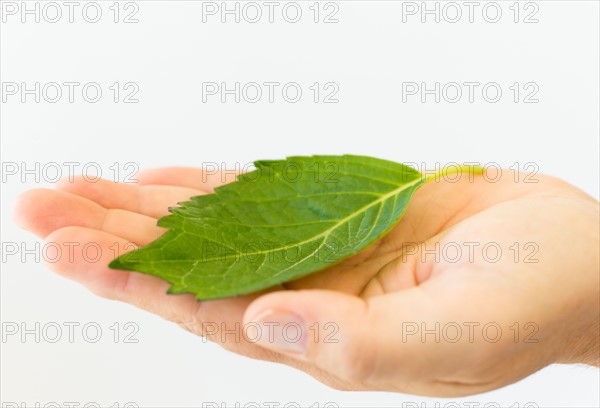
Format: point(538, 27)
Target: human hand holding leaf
point(371, 294)
point(282, 221)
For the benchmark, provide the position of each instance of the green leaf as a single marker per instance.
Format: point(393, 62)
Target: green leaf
point(286, 219)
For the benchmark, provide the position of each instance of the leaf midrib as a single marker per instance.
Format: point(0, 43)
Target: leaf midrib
point(325, 233)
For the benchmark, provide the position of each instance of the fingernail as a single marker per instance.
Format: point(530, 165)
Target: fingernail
point(280, 330)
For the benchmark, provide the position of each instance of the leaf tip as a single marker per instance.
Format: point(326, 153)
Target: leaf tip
point(116, 264)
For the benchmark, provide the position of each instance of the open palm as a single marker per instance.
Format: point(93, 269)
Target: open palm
point(439, 268)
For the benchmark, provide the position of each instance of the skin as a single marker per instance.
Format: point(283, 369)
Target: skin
point(380, 297)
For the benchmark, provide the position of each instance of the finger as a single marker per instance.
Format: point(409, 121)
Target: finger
point(322, 310)
point(200, 179)
point(84, 257)
point(86, 263)
point(218, 320)
point(42, 211)
point(150, 200)
point(221, 322)
point(359, 340)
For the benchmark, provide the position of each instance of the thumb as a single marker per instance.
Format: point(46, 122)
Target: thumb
point(354, 338)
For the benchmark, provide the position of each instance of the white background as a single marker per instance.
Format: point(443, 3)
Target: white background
point(368, 53)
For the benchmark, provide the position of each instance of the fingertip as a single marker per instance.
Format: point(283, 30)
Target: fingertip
point(26, 210)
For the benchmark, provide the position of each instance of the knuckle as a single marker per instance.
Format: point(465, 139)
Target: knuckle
point(193, 324)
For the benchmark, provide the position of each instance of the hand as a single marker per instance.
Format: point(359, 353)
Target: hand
point(385, 306)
